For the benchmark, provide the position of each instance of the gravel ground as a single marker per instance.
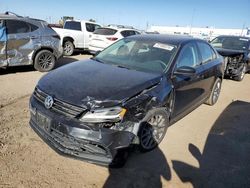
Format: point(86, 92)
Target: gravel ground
point(208, 148)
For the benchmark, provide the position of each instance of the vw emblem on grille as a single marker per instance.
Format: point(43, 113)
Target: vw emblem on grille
point(48, 103)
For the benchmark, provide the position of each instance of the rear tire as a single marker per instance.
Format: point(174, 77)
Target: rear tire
point(44, 61)
point(213, 98)
point(153, 129)
point(242, 73)
point(68, 48)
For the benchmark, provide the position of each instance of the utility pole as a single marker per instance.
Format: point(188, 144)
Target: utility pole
point(192, 19)
point(243, 27)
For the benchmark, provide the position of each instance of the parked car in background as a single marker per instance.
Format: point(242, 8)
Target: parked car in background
point(236, 52)
point(105, 36)
point(128, 94)
point(28, 41)
point(75, 35)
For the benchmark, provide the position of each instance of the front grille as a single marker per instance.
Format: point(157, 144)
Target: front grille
point(58, 105)
point(78, 145)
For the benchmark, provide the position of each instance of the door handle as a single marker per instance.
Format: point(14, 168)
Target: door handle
point(33, 37)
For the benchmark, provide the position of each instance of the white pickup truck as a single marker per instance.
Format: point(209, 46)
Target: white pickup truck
point(75, 35)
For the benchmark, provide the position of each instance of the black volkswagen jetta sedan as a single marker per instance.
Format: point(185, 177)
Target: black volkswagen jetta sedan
point(128, 94)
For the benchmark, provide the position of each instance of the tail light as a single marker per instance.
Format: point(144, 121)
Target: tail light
point(56, 36)
point(112, 38)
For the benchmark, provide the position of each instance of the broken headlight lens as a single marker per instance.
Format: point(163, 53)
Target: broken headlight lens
point(114, 114)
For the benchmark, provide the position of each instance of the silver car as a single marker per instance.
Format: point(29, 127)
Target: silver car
point(27, 41)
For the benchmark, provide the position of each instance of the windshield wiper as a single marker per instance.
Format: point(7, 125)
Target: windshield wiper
point(123, 67)
point(98, 60)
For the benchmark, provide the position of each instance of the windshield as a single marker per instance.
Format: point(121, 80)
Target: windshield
point(147, 56)
point(233, 43)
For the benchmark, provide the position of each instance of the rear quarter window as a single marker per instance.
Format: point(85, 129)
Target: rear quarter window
point(127, 33)
point(105, 31)
point(92, 27)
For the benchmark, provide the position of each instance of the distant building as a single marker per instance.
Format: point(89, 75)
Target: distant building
point(206, 33)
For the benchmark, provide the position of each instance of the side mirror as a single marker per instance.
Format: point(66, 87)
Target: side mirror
point(185, 71)
point(95, 53)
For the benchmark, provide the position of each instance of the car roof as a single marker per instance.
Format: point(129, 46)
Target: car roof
point(164, 38)
point(118, 29)
point(233, 36)
point(11, 16)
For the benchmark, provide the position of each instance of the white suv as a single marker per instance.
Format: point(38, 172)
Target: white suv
point(105, 36)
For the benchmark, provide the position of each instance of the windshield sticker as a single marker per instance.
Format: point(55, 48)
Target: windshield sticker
point(164, 46)
point(244, 39)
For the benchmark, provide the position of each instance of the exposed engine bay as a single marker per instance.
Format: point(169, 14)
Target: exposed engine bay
point(233, 64)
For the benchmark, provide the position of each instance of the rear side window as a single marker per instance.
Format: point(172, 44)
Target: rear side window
point(73, 25)
point(206, 51)
point(16, 26)
point(92, 27)
point(128, 33)
point(105, 31)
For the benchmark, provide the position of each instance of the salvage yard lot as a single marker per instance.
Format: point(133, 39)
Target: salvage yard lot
point(208, 148)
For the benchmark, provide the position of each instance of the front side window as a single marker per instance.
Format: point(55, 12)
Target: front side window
point(1, 23)
point(16, 27)
point(73, 25)
point(147, 56)
point(188, 56)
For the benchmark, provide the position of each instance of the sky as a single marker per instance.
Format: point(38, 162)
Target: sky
point(139, 13)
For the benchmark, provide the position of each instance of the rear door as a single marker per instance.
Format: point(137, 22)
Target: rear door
point(90, 28)
point(210, 64)
point(75, 30)
point(20, 45)
point(188, 89)
point(3, 42)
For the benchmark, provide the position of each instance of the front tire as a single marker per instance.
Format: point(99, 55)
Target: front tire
point(44, 61)
point(213, 98)
point(153, 129)
point(68, 48)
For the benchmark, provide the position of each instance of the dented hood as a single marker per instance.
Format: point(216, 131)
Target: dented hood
point(89, 82)
point(229, 52)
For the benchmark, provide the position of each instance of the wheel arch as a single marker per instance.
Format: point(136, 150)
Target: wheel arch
point(40, 49)
point(67, 38)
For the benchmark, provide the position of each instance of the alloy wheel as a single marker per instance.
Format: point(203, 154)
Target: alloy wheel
point(45, 60)
point(153, 132)
point(216, 92)
point(68, 48)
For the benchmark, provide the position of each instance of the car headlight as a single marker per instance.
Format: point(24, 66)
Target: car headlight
point(114, 114)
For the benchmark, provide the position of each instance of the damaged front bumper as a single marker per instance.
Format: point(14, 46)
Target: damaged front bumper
point(73, 139)
point(234, 69)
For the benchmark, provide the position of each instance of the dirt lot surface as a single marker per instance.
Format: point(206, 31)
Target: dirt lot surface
point(208, 148)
